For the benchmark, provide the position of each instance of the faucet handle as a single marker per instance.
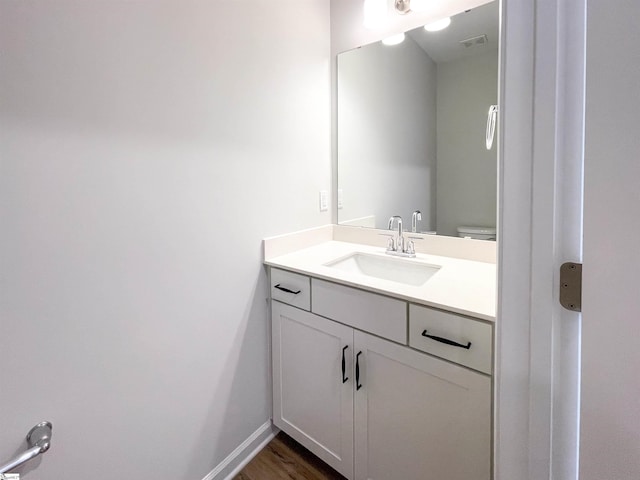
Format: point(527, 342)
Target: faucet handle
point(391, 245)
point(411, 248)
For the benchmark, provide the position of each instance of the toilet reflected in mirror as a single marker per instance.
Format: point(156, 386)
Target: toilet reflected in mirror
point(478, 233)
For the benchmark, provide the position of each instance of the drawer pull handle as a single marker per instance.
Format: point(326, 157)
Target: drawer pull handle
point(358, 384)
point(447, 341)
point(344, 365)
point(285, 289)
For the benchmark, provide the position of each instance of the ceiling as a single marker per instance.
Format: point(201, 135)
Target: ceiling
point(445, 46)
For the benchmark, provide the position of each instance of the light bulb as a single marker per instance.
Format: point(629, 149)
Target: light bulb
point(438, 25)
point(375, 13)
point(421, 5)
point(394, 39)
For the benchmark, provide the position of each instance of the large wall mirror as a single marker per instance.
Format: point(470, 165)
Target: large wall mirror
point(412, 124)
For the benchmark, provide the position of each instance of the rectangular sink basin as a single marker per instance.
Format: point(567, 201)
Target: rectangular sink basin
point(393, 269)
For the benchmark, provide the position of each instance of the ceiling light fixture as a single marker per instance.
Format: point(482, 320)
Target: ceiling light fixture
point(438, 25)
point(403, 6)
point(406, 6)
point(394, 39)
point(421, 5)
point(375, 13)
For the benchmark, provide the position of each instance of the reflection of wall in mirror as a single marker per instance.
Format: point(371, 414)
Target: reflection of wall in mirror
point(387, 133)
point(466, 170)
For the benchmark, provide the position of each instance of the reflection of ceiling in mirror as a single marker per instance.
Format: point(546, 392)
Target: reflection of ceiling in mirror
point(445, 45)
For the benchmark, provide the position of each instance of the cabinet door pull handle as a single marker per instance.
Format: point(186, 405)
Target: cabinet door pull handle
point(344, 365)
point(447, 341)
point(358, 384)
point(285, 289)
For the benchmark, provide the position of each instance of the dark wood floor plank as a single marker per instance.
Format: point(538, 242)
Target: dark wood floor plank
point(285, 459)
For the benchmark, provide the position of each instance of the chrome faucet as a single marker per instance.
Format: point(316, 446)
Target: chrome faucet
point(414, 221)
point(397, 245)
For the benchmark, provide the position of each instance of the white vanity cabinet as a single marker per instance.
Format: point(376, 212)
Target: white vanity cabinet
point(312, 400)
point(418, 417)
point(370, 407)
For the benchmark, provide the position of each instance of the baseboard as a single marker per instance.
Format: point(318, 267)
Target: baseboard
point(245, 452)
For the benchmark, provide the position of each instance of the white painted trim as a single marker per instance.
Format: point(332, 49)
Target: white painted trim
point(543, 206)
point(568, 238)
point(515, 159)
point(539, 211)
point(246, 451)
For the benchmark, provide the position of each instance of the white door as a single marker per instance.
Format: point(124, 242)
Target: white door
point(610, 389)
point(313, 384)
point(418, 417)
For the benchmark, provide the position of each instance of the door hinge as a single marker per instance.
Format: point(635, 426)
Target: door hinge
point(571, 286)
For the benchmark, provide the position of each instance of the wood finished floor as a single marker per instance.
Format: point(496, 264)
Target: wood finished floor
point(284, 459)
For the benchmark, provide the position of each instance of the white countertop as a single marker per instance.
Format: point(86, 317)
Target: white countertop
point(462, 286)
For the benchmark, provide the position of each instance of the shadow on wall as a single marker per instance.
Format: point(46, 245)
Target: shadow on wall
point(25, 468)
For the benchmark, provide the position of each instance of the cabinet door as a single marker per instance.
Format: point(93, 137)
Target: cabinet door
point(312, 400)
point(418, 417)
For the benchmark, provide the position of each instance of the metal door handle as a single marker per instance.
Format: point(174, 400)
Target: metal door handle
point(39, 441)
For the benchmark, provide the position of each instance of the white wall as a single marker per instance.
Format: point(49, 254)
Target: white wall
point(466, 170)
point(610, 385)
point(387, 133)
point(146, 148)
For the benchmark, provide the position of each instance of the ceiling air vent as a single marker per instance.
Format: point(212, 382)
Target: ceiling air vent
point(474, 41)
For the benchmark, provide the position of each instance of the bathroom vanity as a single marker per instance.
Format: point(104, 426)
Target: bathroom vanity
point(383, 366)
point(378, 371)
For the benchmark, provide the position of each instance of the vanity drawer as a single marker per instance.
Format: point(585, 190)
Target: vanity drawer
point(383, 316)
point(291, 288)
point(448, 326)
